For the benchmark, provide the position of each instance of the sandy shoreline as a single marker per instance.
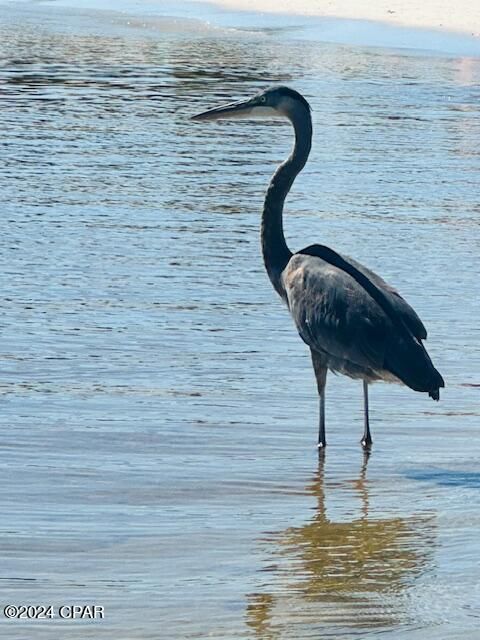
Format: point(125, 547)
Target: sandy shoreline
point(461, 16)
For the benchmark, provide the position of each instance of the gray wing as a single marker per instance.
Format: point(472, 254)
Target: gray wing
point(334, 314)
point(398, 303)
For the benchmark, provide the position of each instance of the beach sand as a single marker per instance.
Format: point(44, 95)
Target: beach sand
point(461, 16)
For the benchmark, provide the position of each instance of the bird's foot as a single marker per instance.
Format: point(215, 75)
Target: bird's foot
point(366, 444)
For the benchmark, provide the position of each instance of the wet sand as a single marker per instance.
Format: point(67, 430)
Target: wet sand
point(462, 16)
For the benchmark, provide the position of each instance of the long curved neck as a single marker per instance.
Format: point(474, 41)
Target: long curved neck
point(276, 254)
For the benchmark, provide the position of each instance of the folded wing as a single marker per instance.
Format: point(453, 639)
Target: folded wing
point(369, 328)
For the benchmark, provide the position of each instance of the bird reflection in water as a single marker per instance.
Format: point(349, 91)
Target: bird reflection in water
point(338, 576)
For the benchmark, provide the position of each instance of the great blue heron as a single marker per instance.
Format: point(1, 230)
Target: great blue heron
point(352, 320)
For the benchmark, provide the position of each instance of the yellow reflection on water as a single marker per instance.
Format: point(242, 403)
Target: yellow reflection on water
point(351, 571)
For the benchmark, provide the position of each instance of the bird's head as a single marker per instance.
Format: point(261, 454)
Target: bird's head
point(276, 102)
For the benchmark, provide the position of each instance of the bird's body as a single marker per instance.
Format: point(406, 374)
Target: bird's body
point(353, 321)
point(355, 335)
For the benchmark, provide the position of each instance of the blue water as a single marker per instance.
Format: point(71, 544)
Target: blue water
point(159, 413)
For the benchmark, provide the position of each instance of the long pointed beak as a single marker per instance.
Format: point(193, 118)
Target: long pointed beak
point(240, 109)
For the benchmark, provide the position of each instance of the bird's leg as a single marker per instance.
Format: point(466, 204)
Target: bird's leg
point(366, 440)
point(321, 376)
point(322, 441)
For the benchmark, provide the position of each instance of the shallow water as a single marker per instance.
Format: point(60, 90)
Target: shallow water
point(158, 409)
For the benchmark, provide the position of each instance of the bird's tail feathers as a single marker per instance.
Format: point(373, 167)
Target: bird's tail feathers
point(410, 362)
point(435, 394)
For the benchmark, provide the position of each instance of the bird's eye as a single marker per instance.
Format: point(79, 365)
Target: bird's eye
point(263, 99)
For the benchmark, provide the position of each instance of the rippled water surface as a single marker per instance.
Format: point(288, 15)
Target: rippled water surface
point(157, 448)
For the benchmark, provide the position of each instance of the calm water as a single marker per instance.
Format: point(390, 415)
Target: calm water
point(157, 448)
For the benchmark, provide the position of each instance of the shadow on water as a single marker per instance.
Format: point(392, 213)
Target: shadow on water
point(448, 478)
point(337, 574)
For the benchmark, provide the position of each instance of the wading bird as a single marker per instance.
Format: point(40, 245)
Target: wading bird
point(352, 320)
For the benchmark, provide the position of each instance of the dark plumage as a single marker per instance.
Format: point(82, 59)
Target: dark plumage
point(359, 324)
point(352, 320)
